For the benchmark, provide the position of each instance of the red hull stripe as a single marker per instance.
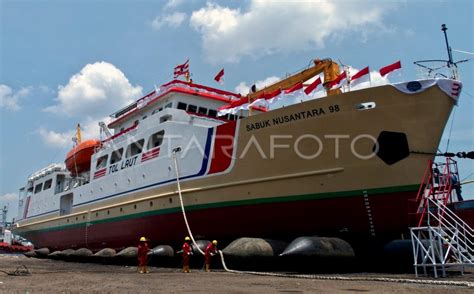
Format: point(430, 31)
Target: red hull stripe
point(223, 147)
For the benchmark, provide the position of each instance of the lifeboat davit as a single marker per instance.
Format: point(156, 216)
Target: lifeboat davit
point(78, 159)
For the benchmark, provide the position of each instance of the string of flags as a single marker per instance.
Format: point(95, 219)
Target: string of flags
point(266, 99)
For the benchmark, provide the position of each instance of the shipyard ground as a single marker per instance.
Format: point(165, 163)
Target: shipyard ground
point(54, 276)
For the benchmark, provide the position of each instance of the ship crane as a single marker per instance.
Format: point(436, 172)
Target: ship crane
point(326, 66)
point(104, 129)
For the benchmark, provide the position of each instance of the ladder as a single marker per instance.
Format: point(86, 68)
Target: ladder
point(441, 239)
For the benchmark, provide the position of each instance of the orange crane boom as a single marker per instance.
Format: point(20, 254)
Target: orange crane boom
point(329, 67)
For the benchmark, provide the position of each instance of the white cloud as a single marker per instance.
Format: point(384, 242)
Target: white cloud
point(11, 201)
point(244, 89)
point(89, 130)
point(97, 90)
point(10, 99)
point(173, 4)
point(173, 20)
point(286, 26)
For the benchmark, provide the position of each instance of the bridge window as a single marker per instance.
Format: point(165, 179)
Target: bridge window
point(168, 105)
point(182, 105)
point(38, 188)
point(116, 156)
point(202, 110)
point(192, 108)
point(212, 113)
point(102, 161)
point(135, 148)
point(48, 184)
point(156, 139)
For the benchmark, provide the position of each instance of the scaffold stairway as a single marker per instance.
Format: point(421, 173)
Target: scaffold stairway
point(441, 239)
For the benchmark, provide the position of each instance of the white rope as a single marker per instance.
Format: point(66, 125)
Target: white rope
point(341, 278)
point(182, 204)
point(300, 276)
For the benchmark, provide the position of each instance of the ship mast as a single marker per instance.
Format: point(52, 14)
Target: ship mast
point(432, 67)
point(451, 63)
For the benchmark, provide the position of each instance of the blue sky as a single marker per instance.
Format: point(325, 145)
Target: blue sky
point(64, 62)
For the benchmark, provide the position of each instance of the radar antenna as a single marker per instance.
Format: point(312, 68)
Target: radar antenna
point(434, 66)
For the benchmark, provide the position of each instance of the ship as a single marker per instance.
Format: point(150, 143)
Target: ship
point(345, 165)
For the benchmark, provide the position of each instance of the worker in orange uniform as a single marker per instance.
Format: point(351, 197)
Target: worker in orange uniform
point(143, 256)
point(210, 251)
point(187, 252)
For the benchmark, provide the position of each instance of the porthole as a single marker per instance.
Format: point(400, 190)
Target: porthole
point(143, 175)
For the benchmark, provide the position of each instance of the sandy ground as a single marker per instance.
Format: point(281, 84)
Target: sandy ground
point(53, 276)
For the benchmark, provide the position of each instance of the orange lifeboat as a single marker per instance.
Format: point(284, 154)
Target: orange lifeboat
point(78, 159)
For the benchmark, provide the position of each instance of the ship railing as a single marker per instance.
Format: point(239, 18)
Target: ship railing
point(436, 185)
point(451, 223)
point(445, 241)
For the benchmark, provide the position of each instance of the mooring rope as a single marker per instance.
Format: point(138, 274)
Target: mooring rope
point(303, 276)
point(176, 168)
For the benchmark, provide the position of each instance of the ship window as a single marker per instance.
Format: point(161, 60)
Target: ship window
point(202, 110)
point(155, 111)
point(182, 105)
point(102, 161)
point(116, 156)
point(38, 188)
point(135, 122)
point(144, 117)
point(156, 139)
point(192, 108)
point(212, 113)
point(168, 105)
point(165, 118)
point(122, 129)
point(48, 184)
point(135, 148)
point(231, 117)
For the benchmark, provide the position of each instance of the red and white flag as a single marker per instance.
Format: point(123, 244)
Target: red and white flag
point(233, 107)
point(181, 69)
point(361, 76)
point(338, 80)
point(312, 86)
point(390, 68)
point(218, 77)
point(265, 99)
point(296, 87)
